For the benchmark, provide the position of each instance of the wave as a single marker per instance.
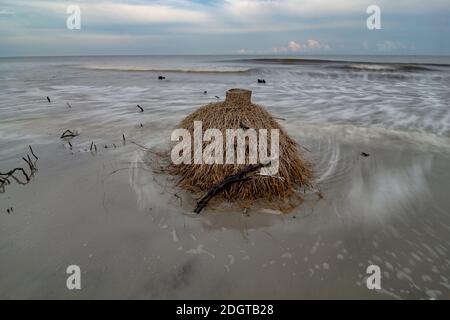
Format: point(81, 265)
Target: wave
point(221, 69)
point(348, 65)
point(353, 134)
point(286, 61)
point(391, 67)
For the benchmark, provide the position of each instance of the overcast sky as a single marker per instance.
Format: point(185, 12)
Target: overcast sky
point(294, 27)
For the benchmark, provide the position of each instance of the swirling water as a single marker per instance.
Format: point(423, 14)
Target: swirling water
point(133, 238)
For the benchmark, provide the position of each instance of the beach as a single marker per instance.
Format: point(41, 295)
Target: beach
point(108, 213)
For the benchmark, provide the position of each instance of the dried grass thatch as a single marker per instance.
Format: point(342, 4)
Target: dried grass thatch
point(236, 112)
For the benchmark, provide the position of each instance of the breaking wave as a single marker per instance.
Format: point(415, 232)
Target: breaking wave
point(349, 65)
point(222, 69)
point(383, 67)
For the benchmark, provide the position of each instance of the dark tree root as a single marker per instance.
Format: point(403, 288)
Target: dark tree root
point(32, 152)
point(5, 177)
point(69, 134)
point(235, 178)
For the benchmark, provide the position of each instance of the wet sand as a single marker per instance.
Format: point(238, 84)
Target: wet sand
point(133, 239)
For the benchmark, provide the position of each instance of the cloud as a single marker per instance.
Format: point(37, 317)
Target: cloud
point(225, 26)
point(140, 14)
point(112, 12)
point(291, 7)
point(294, 46)
point(316, 45)
point(388, 45)
point(326, 7)
point(308, 45)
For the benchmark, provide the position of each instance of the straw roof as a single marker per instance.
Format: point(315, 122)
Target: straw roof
point(238, 112)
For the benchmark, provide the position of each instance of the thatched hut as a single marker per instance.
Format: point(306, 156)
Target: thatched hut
point(238, 112)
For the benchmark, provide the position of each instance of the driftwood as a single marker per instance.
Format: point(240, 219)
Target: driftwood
point(4, 177)
point(142, 109)
point(32, 152)
point(235, 178)
point(69, 134)
point(11, 173)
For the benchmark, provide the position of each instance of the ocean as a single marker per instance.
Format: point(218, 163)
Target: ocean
point(106, 212)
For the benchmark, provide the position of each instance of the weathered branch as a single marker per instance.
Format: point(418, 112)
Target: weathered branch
point(69, 134)
point(32, 152)
point(30, 165)
point(139, 145)
point(4, 177)
point(235, 178)
point(11, 173)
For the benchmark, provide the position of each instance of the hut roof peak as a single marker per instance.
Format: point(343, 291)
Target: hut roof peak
point(238, 97)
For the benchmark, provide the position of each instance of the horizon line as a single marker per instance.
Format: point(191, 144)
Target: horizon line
point(228, 54)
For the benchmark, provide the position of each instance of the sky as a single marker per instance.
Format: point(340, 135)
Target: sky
point(246, 27)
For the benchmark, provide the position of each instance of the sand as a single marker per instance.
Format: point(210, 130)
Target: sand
point(105, 214)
